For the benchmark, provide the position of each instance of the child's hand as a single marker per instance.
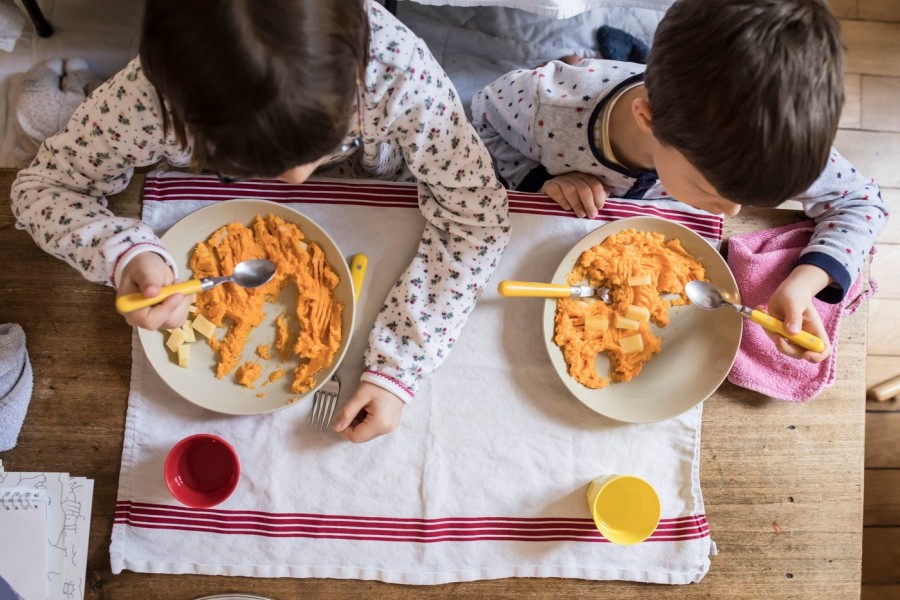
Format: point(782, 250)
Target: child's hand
point(571, 59)
point(372, 411)
point(147, 273)
point(792, 303)
point(579, 192)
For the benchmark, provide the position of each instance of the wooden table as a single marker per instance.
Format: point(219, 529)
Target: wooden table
point(782, 482)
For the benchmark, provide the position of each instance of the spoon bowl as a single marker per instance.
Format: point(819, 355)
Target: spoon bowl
point(253, 273)
point(705, 295)
point(249, 274)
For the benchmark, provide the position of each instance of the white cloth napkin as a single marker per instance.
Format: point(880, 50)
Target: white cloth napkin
point(485, 477)
point(558, 9)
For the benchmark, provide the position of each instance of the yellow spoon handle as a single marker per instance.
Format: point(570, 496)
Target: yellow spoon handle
point(802, 338)
point(529, 289)
point(358, 265)
point(133, 302)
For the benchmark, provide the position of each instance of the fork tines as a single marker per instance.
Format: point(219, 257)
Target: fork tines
point(324, 402)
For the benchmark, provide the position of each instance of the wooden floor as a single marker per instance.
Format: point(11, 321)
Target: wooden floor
point(870, 138)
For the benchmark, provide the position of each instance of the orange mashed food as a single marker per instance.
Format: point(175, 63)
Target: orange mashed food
point(312, 333)
point(627, 255)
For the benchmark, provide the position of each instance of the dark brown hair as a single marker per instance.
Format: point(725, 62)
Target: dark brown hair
point(749, 91)
point(256, 87)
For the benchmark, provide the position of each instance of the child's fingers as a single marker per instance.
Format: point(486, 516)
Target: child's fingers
point(551, 188)
point(351, 408)
point(586, 197)
point(785, 347)
point(171, 312)
point(571, 196)
point(811, 324)
point(599, 193)
point(365, 430)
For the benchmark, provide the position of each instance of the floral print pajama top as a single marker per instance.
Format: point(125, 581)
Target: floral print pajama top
point(413, 125)
point(538, 123)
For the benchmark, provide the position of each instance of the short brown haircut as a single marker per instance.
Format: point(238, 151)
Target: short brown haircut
point(749, 91)
point(256, 87)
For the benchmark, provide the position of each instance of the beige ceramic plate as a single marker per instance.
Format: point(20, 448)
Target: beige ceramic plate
point(198, 382)
point(698, 346)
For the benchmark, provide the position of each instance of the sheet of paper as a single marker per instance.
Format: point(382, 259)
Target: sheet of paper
point(77, 509)
point(54, 485)
point(23, 551)
point(68, 527)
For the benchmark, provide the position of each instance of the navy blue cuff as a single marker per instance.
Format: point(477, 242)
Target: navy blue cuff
point(841, 282)
point(534, 181)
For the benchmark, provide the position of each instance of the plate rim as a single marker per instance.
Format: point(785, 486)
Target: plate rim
point(145, 335)
point(593, 238)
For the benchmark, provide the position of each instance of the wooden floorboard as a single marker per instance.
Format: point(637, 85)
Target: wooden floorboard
point(882, 498)
point(882, 449)
point(879, 10)
point(881, 556)
point(869, 126)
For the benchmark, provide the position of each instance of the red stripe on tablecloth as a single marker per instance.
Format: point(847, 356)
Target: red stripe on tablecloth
point(396, 195)
point(347, 527)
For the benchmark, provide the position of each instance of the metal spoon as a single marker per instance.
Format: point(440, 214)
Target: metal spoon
point(708, 297)
point(249, 274)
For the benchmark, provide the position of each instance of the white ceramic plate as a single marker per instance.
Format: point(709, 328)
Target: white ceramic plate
point(698, 346)
point(198, 383)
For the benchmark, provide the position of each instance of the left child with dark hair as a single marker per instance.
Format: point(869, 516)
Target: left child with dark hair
point(738, 105)
point(276, 90)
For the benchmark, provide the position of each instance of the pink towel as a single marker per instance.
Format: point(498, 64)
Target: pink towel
point(760, 261)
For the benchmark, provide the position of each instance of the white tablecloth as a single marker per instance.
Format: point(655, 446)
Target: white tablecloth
point(485, 477)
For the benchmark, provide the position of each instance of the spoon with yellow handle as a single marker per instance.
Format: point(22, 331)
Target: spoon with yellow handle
point(707, 296)
point(358, 265)
point(531, 289)
point(249, 274)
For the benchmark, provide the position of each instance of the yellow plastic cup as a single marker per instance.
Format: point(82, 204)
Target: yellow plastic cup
point(625, 508)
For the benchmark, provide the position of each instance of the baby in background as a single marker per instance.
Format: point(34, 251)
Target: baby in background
point(738, 105)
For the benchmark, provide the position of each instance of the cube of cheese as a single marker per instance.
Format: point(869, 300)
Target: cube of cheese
point(189, 337)
point(176, 339)
point(184, 355)
point(631, 344)
point(626, 323)
point(596, 323)
point(639, 280)
point(192, 309)
point(204, 326)
point(637, 313)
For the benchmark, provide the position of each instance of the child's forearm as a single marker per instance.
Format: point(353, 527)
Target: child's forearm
point(808, 280)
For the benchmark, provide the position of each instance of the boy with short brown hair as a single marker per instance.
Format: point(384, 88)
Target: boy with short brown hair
point(738, 105)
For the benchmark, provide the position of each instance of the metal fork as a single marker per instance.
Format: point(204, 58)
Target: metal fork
point(324, 401)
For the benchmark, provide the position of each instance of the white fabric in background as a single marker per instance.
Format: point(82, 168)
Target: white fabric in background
point(477, 44)
point(103, 32)
point(558, 9)
point(493, 435)
point(11, 23)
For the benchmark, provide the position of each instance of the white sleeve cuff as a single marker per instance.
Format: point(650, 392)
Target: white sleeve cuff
point(140, 249)
point(390, 384)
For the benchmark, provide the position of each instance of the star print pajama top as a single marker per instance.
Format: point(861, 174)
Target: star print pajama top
point(538, 123)
point(413, 124)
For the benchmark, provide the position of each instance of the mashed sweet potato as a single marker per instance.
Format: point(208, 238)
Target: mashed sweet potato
point(311, 334)
point(619, 262)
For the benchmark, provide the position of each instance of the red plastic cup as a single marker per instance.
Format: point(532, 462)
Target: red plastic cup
point(202, 470)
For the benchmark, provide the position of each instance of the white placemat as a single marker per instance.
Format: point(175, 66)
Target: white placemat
point(485, 477)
